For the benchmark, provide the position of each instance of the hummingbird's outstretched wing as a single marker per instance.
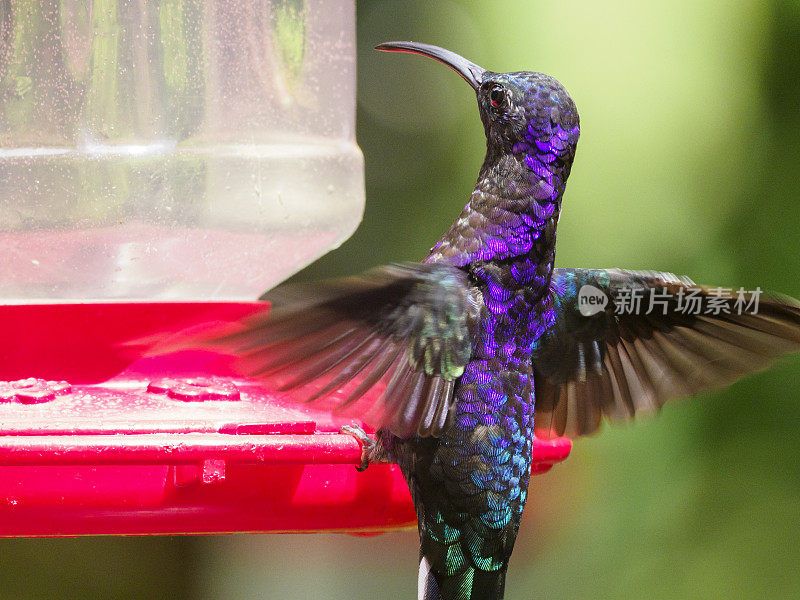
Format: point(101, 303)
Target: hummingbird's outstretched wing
point(402, 332)
point(658, 337)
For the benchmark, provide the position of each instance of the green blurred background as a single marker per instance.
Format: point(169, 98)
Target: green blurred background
point(689, 161)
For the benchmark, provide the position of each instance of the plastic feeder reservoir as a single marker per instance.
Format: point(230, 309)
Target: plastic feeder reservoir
point(173, 150)
point(190, 152)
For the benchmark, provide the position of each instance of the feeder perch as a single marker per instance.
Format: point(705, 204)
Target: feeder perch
point(94, 441)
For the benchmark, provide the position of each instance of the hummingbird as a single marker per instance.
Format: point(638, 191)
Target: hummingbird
point(458, 361)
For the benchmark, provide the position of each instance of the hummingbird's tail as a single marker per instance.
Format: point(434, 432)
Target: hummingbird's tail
point(427, 586)
point(471, 584)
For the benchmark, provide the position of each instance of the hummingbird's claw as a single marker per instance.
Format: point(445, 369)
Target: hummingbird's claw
point(368, 444)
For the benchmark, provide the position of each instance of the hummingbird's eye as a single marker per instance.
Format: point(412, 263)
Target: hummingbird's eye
point(497, 96)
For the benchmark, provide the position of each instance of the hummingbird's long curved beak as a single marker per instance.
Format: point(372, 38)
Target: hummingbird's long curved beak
point(472, 73)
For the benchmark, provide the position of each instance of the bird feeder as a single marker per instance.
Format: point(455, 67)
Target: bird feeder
point(161, 165)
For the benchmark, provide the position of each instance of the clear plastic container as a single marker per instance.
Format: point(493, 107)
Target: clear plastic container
point(173, 149)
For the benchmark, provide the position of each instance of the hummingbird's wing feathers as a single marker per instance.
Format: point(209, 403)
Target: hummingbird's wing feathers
point(401, 332)
point(658, 337)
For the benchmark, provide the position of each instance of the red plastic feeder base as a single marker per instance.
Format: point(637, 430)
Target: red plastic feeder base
point(96, 441)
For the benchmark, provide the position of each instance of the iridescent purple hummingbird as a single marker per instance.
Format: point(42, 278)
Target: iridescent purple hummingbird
point(444, 358)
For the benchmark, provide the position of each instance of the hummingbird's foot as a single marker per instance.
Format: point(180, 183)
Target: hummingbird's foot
point(369, 446)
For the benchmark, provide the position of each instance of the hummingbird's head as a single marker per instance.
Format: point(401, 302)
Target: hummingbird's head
point(525, 114)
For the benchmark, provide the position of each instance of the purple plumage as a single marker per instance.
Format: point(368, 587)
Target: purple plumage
point(471, 486)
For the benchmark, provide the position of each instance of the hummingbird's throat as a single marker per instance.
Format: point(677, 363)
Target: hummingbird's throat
point(511, 215)
point(515, 183)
